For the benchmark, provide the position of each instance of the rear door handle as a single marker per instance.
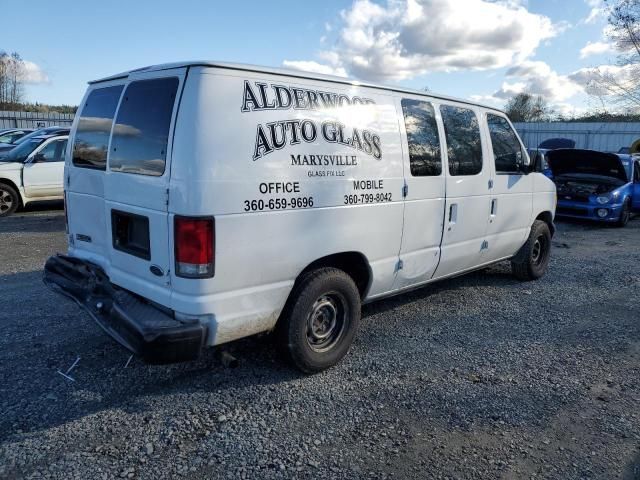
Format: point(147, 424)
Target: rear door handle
point(494, 207)
point(453, 214)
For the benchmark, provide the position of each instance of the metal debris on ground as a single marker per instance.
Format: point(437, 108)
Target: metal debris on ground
point(66, 374)
point(128, 361)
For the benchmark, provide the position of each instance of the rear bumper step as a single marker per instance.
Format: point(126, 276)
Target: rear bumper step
point(142, 328)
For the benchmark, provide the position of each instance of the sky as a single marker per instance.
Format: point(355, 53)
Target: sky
point(485, 50)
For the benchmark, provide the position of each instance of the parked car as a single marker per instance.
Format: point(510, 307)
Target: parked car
point(556, 143)
point(10, 135)
point(207, 202)
point(32, 171)
point(596, 185)
point(6, 148)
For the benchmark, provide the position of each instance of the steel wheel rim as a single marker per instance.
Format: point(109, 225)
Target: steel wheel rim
point(539, 250)
point(326, 322)
point(6, 201)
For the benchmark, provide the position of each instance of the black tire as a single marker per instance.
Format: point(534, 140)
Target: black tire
point(320, 320)
point(625, 214)
point(9, 200)
point(532, 261)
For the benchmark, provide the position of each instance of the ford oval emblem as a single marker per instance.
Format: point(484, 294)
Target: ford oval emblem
point(156, 270)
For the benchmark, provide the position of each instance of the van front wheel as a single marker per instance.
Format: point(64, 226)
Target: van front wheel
point(531, 262)
point(320, 319)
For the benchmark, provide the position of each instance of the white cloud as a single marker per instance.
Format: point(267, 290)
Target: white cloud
point(560, 91)
point(315, 67)
point(606, 80)
point(406, 38)
point(598, 10)
point(594, 48)
point(537, 78)
point(33, 74)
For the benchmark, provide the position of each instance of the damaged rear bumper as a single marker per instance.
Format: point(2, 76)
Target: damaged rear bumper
point(146, 330)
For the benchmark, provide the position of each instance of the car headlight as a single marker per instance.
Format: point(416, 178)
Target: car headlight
point(603, 199)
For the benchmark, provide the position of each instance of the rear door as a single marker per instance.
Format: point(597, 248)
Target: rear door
point(468, 183)
point(43, 171)
point(425, 184)
point(129, 197)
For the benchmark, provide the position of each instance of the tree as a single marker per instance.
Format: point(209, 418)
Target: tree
point(621, 82)
point(525, 107)
point(12, 73)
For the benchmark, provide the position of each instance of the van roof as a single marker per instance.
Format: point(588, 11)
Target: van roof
point(289, 73)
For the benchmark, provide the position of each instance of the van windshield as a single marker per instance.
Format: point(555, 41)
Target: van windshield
point(141, 131)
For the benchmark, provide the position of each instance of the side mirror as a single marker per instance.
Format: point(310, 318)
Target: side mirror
point(38, 158)
point(523, 162)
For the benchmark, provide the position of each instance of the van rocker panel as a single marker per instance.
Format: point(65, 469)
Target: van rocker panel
point(149, 332)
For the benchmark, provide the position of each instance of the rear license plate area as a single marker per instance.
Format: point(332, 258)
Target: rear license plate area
point(130, 234)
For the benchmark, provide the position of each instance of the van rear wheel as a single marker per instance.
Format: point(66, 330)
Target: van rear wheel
point(320, 320)
point(532, 261)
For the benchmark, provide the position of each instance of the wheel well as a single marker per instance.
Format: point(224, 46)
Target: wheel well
point(547, 217)
point(15, 187)
point(353, 263)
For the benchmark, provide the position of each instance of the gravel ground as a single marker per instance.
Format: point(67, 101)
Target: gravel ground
point(475, 377)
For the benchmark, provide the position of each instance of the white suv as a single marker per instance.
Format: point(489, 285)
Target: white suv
point(32, 172)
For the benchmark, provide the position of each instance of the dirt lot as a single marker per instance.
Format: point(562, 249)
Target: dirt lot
point(476, 377)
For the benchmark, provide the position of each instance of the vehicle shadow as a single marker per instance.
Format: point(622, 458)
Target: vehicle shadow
point(632, 470)
point(592, 224)
point(41, 334)
point(497, 275)
point(32, 223)
point(43, 206)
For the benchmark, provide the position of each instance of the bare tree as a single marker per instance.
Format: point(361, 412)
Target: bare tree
point(12, 73)
point(621, 84)
point(525, 107)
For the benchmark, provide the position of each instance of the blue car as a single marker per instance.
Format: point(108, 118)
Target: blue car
point(596, 185)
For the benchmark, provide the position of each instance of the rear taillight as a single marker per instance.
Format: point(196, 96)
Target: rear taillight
point(194, 246)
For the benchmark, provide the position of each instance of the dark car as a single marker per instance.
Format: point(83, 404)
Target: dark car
point(596, 185)
point(6, 148)
point(11, 135)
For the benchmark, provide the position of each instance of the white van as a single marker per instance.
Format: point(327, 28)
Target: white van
point(207, 202)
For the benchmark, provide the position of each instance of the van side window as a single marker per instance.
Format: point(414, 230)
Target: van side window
point(94, 127)
point(507, 152)
point(141, 131)
point(462, 132)
point(422, 137)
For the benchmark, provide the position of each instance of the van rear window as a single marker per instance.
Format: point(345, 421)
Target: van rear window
point(422, 137)
point(462, 133)
point(141, 131)
point(94, 127)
